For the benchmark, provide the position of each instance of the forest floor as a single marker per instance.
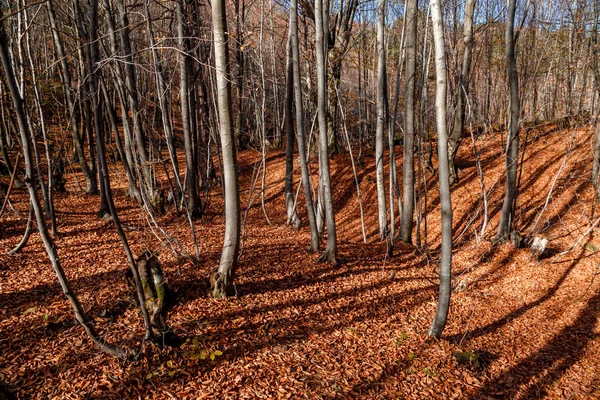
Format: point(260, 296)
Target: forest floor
point(300, 329)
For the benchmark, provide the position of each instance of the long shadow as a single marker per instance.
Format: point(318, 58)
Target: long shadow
point(494, 326)
point(549, 363)
point(16, 302)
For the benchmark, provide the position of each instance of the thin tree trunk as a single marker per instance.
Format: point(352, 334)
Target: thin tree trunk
point(222, 279)
point(512, 144)
point(292, 215)
point(301, 138)
point(381, 119)
point(463, 89)
point(441, 315)
point(322, 23)
point(406, 225)
point(191, 178)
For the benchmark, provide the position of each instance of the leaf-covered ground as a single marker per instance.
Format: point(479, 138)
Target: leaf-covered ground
point(519, 327)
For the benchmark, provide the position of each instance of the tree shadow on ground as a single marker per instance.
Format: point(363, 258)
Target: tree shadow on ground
point(549, 363)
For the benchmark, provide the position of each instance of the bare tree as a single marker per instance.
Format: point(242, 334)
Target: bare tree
point(190, 161)
point(512, 143)
point(441, 315)
point(406, 224)
point(321, 26)
point(381, 118)
point(290, 206)
point(455, 136)
point(301, 137)
point(222, 278)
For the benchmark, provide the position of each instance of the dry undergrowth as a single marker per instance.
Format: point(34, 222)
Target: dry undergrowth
point(518, 328)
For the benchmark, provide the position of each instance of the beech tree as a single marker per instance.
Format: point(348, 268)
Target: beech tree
point(321, 26)
point(441, 89)
point(223, 277)
point(406, 223)
point(381, 118)
point(514, 112)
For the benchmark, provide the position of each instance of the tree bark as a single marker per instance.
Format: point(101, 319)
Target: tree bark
point(222, 279)
point(300, 136)
point(322, 23)
point(512, 144)
point(441, 315)
point(292, 215)
point(381, 118)
point(190, 161)
point(406, 223)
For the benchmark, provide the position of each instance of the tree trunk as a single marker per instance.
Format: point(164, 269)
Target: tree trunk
point(441, 315)
point(596, 68)
point(463, 90)
point(322, 23)
point(512, 144)
point(381, 118)
point(292, 215)
point(222, 278)
point(301, 138)
point(190, 176)
point(406, 223)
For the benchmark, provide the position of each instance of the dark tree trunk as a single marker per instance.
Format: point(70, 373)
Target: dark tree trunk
point(512, 144)
point(463, 90)
point(292, 216)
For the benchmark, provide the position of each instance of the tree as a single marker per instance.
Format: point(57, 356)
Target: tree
point(441, 315)
point(463, 90)
point(290, 206)
point(190, 161)
point(222, 278)
point(512, 144)
point(406, 223)
point(301, 138)
point(381, 118)
point(321, 24)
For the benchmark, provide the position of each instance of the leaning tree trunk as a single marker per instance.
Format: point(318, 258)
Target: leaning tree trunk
point(439, 321)
point(512, 144)
point(222, 278)
point(381, 118)
point(19, 108)
point(463, 90)
point(321, 19)
point(406, 223)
